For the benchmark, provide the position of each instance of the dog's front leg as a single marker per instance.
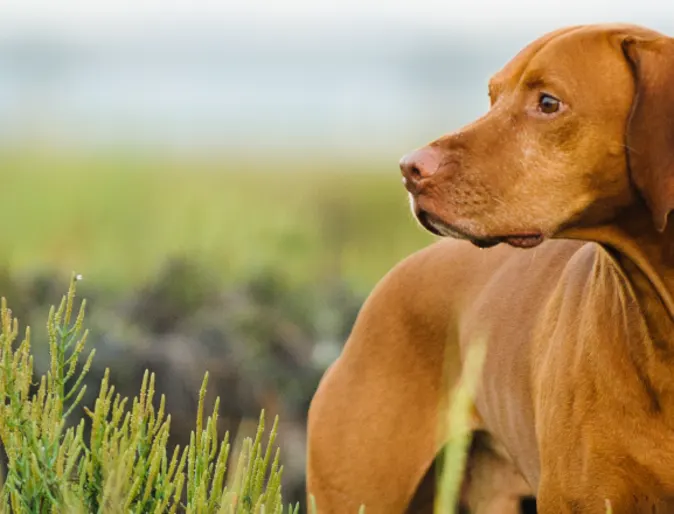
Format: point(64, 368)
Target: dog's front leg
point(373, 424)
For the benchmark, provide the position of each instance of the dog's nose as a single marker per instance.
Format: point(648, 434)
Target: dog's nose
point(418, 165)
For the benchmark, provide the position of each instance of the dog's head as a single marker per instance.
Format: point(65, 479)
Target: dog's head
point(581, 126)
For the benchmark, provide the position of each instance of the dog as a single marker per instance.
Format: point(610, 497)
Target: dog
point(570, 178)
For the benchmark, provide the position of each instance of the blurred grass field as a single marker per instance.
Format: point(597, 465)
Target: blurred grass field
point(252, 269)
point(117, 218)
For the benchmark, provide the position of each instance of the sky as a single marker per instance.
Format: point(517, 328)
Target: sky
point(93, 15)
point(338, 73)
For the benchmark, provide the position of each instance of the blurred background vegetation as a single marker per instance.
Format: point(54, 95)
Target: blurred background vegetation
point(192, 265)
point(226, 178)
point(188, 265)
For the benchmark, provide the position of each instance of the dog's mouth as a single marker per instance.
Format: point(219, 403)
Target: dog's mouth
point(440, 228)
point(524, 240)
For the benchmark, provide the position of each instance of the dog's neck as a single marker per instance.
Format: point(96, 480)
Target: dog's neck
point(646, 257)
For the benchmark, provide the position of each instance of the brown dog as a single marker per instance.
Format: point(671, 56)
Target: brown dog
point(576, 401)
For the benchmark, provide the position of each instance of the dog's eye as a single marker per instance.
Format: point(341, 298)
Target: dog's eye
point(548, 104)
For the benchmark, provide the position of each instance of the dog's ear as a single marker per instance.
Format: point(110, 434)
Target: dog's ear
point(650, 129)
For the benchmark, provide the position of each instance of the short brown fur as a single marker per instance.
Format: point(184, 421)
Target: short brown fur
point(576, 399)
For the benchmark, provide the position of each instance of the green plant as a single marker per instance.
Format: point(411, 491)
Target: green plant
point(460, 432)
point(125, 466)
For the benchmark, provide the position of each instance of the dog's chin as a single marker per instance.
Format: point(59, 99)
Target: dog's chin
point(442, 229)
point(438, 227)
